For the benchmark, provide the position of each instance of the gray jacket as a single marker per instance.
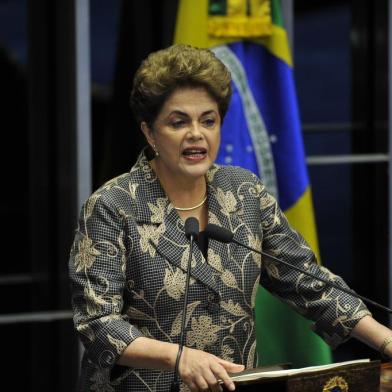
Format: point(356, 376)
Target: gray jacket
point(127, 271)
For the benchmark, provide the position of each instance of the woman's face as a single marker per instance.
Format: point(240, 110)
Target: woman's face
point(186, 133)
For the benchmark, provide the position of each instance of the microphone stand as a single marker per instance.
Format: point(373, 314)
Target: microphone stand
point(221, 234)
point(327, 282)
point(191, 233)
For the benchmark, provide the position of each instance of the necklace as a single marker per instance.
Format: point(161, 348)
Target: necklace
point(191, 208)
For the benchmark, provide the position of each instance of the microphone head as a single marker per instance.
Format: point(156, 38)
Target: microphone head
point(218, 233)
point(192, 228)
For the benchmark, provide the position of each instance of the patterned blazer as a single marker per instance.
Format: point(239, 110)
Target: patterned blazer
point(127, 271)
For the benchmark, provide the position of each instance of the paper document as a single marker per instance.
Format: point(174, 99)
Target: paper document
point(259, 373)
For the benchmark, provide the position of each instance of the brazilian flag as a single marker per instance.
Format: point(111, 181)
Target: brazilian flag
point(262, 133)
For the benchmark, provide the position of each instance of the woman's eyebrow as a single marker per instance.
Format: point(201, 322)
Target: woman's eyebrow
point(181, 113)
point(208, 112)
point(178, 112)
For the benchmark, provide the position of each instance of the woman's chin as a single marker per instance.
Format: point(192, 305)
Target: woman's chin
point(197, 171)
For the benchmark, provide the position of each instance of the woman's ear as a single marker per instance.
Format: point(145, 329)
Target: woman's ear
point(147, 131)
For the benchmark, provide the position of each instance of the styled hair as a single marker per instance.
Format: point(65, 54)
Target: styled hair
point(178, 66)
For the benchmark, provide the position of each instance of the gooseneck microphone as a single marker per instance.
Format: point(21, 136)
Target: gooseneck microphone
point(226, 236)
point(192, 233)
point(192, 229)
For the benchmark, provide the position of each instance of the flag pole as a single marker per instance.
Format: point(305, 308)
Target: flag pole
point(288, 17)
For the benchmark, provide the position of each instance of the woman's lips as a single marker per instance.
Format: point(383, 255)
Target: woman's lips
point(194, 153)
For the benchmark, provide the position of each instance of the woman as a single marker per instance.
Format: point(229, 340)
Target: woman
point(130, 252)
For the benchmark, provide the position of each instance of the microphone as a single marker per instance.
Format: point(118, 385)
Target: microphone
point(218, 233)
point(192, 228)
point(226, 236)
point(192, 233)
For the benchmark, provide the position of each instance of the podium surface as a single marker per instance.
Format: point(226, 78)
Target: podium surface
point(354, 377)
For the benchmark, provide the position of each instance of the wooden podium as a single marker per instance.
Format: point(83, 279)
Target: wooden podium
point(343, 377)
point(386, 377)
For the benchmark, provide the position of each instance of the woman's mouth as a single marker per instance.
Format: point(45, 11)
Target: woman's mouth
point(194, 153)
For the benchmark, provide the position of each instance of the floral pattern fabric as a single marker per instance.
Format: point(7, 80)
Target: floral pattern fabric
point(127, 271)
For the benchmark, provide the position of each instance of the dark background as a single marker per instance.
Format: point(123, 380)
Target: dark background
point(340, 55)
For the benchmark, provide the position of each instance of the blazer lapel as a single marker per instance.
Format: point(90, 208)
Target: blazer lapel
point(154, 209)
point(224, 209)
point(174, 246)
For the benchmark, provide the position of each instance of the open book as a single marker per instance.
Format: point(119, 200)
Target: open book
point(282, 371)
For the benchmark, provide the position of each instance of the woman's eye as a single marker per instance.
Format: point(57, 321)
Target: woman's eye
point(178, 124)
point(209, 122)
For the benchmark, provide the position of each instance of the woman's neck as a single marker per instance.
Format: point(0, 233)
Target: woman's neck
point(182, 192)
point(184, 195)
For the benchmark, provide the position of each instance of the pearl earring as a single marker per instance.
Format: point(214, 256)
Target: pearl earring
point(155, 150)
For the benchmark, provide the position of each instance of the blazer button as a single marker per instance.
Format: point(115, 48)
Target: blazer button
point(213, 303)
point(211, 297)
point(213, 307)
point(106, 359)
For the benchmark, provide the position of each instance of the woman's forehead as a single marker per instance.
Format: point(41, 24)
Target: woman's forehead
point(189, 100)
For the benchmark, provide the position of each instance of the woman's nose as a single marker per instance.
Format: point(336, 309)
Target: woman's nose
point(195, 132)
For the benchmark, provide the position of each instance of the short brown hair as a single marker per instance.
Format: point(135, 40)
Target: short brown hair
point(178, 66)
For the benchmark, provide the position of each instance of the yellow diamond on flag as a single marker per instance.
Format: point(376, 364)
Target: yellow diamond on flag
point(239, 18)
